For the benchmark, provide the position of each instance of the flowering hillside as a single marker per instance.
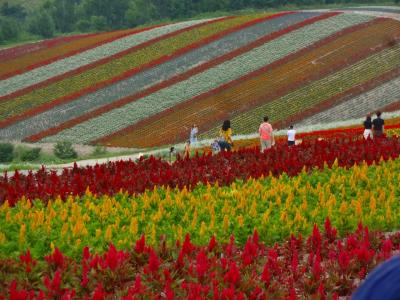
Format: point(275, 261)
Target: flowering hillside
point(119, 88)
point(311, 221)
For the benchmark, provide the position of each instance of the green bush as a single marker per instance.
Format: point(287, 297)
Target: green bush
point(83, 25)
point(9, 29)
point(64, 150)
point(6, 152)
point(30, 154)
point(99, 150)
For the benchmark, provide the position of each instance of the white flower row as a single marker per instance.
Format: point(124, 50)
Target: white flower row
point(359, 106)
point(157, 102)
point(138, 82)
point(65, 65)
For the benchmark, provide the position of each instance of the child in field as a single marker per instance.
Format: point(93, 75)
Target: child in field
point(187, 149)
point(291, 136)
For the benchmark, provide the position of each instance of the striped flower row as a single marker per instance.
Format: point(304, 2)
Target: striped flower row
point(161, 72)
point(85, 80)
point(265, 84)
point(312, 94)
point(359, 106)
point(16, 52)
point(35, 76)
point(48, 55)
point(207, 80)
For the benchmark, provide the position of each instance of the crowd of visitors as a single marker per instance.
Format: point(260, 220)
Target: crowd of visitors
point(224, 142)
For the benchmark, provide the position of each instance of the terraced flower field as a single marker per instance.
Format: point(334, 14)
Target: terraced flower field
point(311, 221)
point(119, 88)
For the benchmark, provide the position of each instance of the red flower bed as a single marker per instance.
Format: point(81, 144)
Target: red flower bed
point(321, 266)
point(351, 132)
point(224, 168)
point(14, 52)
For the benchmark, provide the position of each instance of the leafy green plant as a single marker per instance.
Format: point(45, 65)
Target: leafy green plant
point(6, 152)
point(30, 154)
point(99, 150)
point(64, 150)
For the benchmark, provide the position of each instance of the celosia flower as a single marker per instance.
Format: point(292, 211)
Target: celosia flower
point(140, 244)
point(56, 258)
point(53, 286)
point(233, 274)
point(265, 276)
point(212, 244)
point(154, 262)
point(99, 293)
point(201, 264)
point(28, 261)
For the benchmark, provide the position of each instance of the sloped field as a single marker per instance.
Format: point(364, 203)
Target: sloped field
point(145, 87)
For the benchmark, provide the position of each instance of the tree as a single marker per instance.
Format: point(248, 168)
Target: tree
point(14, 11)
point(83, 25)
point(112, 10)
point(98, 23)
point(63, 12)
point(42, 24)
point(140, 12)
point(9, 29)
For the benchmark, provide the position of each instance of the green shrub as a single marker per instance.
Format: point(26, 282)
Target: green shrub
point(99, 150)
point(6, 152)
point(64, 150)
point(31, 154)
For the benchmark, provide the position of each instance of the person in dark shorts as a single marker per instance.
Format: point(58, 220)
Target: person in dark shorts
point(291, 136)
point(368, 128)
point(378, 125)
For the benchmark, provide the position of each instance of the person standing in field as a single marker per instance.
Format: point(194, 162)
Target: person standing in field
point(266, 135)
point(225, 136)
point(291, 136)
point(187, 149)
point(193, 134)
point(368, 128)
point(378, 125)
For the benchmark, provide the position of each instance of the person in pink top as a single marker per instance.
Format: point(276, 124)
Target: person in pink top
point(266, 135)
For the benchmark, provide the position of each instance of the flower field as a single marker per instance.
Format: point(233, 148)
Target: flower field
point(200, 84)
point(304, 222)
point(290, 223)
point(273, 81)
point(118, 88)
point(209, 52)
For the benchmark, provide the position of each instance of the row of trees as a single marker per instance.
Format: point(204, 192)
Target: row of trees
point(64, 16)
